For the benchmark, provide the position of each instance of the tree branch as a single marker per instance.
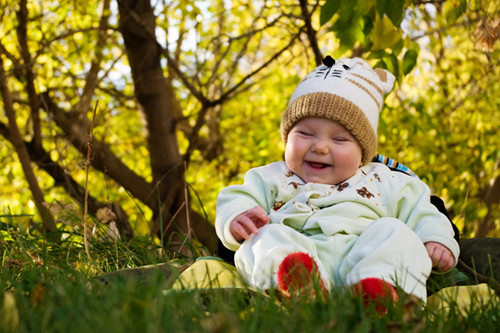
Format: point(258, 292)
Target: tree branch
point(233, 91)
point(104, 160)
point(91, 82)
point(62, 179)
point(24, 158)
point(228, 94)
point(311, 33)
point(22, 16)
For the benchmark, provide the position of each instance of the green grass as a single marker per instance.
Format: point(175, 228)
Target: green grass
point(58, 289)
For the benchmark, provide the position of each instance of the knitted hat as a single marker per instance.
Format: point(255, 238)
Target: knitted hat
point(347, 91)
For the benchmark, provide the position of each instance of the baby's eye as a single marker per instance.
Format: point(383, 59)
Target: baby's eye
point(340, 139)
point(305, 133)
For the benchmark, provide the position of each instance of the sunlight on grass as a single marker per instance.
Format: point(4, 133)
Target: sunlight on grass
point(127, 287)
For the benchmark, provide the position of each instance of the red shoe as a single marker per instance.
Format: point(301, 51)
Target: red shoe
point(298, 275)
point(376, 291)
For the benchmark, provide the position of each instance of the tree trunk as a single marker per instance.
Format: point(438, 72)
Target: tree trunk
point(171, 207)
point(492, 199)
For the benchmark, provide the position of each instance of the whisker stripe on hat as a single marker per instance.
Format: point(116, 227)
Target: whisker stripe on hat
point(366, 91)
point(371, 83)
point(327, 72)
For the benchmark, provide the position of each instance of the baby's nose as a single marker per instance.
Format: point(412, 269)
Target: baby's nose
point(320, 147)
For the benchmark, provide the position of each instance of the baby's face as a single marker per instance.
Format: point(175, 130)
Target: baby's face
point(322, 151)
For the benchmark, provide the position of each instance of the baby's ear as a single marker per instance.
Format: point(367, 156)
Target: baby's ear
point(387, 79)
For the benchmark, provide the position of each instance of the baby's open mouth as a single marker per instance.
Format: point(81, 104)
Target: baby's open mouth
point(318, 165)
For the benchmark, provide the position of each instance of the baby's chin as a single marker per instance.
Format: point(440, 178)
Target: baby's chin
point(328, 178)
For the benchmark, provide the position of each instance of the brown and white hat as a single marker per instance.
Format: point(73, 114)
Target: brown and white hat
point(347, 91)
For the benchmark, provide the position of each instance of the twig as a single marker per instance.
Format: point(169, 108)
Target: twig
point(87, 167)
point(172, 219)
point(473, 274)
point(186, 203)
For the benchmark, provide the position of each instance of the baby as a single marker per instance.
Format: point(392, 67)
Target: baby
point(327, 208)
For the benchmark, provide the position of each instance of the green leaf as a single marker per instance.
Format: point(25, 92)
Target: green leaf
point(381, 6)
point(398, 47)
point(393, 65)
point(349, 33)
point(380, 64)
point(394, 10)
point(367, 25)
point(409, 61)
point(377, 54)
point(454, 9)
point(328, 10)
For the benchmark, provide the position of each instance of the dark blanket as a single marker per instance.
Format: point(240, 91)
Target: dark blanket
point(480, 255)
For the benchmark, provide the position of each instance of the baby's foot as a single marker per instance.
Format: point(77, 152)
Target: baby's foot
point(298, 275)
point(377, 292)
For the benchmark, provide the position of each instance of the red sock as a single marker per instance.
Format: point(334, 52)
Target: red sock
point(296, 274)
point(376, 291)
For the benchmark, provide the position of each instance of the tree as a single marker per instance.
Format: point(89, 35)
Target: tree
point(189, 93)
point(57, 73)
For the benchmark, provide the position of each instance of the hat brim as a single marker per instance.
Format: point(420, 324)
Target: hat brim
point(335, 108)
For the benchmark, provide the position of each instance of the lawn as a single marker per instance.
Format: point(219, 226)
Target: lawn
point(126, 287)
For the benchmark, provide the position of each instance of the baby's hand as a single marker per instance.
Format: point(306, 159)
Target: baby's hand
point(248, 223)
point(441, 256)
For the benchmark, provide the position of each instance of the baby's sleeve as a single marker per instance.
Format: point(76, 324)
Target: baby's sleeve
point(236, 199)
point(414, 207)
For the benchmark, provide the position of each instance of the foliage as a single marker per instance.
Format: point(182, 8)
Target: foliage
point(449, 106)
point(226, 70)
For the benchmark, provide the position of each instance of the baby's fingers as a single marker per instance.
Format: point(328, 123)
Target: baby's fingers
point(446, 261)
point(442, 258)
point(242, 228)
point(258, 215)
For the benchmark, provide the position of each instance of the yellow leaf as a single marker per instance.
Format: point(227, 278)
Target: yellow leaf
point(384, 34)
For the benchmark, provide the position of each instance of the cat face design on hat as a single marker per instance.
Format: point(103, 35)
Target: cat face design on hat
point(347, 91)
